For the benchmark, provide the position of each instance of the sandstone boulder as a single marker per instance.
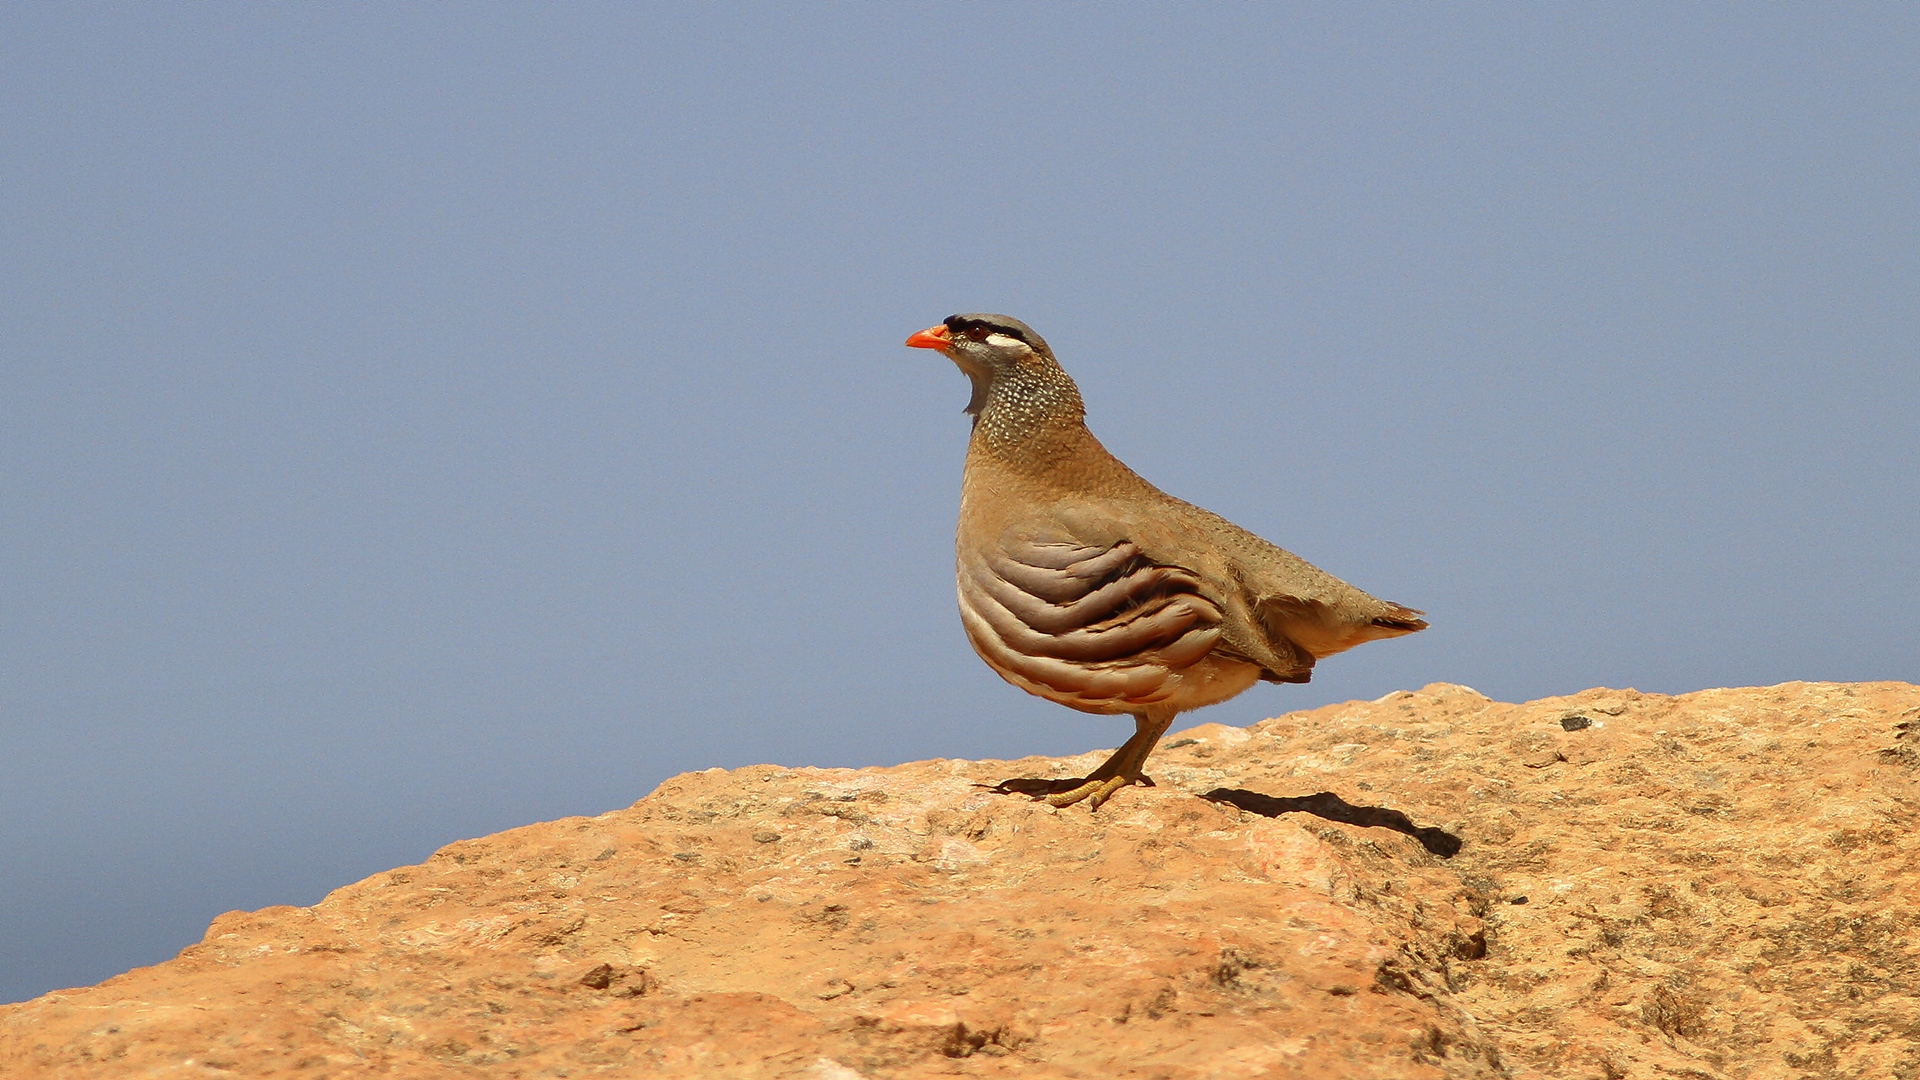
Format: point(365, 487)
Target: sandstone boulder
point(1607, 885)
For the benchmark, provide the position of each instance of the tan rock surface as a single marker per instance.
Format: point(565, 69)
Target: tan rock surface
point(1723, 884)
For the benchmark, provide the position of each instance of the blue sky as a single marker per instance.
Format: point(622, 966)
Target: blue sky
point(417, 421)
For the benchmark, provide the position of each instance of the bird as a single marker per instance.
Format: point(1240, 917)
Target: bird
point(1086, 585)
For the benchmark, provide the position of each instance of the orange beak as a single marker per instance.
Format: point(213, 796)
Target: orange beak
point(933, 337)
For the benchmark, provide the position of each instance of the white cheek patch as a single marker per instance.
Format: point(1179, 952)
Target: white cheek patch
point(1002, 341)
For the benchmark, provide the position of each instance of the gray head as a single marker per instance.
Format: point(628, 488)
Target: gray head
point(979, 327)
point(996, 349)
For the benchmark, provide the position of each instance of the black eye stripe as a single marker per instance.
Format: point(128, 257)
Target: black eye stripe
point(978, 328)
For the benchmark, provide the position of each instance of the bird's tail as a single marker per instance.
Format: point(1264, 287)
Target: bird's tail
point(1400, 619)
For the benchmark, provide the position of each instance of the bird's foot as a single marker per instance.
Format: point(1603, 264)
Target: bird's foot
point(1095, 790)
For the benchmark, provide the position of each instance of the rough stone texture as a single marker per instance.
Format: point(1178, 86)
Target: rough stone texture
point(1724, 884)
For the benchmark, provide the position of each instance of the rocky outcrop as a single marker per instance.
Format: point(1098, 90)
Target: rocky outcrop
point(1608, 885)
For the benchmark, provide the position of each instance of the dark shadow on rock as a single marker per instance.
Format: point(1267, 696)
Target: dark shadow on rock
point(1040, 788)
point(1334, 808)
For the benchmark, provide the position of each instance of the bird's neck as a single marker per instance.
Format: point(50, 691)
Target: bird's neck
point(1029, 416)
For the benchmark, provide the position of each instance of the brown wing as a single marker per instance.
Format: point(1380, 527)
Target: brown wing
point(1098, 629)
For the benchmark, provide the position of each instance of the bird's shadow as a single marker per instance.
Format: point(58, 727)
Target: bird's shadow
point(1041, 787)
point(1334, 808)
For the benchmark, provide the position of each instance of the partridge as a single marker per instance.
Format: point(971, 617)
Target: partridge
point(1084, 584)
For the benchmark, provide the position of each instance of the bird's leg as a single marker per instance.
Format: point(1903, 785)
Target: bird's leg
point(1116, 772)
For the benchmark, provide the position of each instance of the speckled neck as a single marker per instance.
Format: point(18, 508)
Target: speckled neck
point(1026, 411)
